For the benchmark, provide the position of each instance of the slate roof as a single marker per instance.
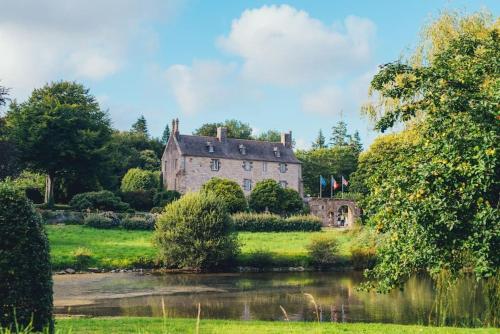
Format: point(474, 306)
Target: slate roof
point(255, 150)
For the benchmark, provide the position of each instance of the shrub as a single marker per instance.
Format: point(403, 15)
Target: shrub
point(267, 195)
point(83, 257)
point(139, 200)
point(363, 257)
point(137, 179)
point(164, 197)
point(292, 202)
point(323, 252)
point(196, 232)
point(229, 191)
point(98, 200)
point(156, 210)
point(268, 222)
point(260, 258)
point(25, 271)
point(146, 222)
point(104, 220)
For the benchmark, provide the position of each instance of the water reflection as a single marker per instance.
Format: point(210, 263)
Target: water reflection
point(259, 296)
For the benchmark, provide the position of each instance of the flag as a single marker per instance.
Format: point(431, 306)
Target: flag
point(322, 181)
point(344, 181)
point(335, 185)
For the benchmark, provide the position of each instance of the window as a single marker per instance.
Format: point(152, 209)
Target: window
point(175, 163)
point(283, 168)
point(276, 152)
point(247, 184)
point(215, 164)
point(243, 149)
point(210, 147)
point(247, 165)
point(264, 166)
point(283, 184)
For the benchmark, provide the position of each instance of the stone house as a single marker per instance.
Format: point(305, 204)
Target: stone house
point(189, 161)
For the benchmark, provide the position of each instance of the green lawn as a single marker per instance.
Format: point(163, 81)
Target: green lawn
point(121, 248)
point(158, 325)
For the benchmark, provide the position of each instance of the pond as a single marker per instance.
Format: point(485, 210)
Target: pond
point(258, 296)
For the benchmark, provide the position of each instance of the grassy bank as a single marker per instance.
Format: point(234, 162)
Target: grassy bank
point(158, 325)
point(121, 248)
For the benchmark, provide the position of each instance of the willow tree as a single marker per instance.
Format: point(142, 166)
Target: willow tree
point(59, 130)
point(440, 197)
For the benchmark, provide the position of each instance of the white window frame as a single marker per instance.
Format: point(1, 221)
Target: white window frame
point(247, 165)
point(283, 184)
point(264, 166)
point(283, 167)
point(247, 184)
point(215, 165)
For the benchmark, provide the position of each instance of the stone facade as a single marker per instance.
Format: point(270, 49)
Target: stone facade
point(185, 170)
point(335, 212)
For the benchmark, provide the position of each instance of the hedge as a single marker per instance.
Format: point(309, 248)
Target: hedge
point(98, 200)
point(267, 222)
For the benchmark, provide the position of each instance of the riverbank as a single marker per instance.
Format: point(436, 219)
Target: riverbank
point(118, 325)
point(119, 249)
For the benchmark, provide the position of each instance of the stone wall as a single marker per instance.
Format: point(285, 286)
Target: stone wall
point(331, 211)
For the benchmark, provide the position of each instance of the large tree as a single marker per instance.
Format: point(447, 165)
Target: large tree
point(235, 129)
point(440, 198)
point(60, 129)
point(4, 92)
point(339, 134)
point(165, 135)
point(320, 141)
point(141, 126)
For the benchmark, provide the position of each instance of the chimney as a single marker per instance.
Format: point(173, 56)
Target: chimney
point(175, 127)
point(222, 134)
point(286, 139)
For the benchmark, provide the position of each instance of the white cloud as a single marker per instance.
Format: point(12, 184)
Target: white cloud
point(42, 41)
point(283, 45)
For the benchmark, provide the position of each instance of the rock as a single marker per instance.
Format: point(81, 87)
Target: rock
point(62, 272)
point(113, 271)
point(94, 270)
point(70, 270)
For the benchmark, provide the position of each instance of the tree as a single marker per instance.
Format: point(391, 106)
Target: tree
point(25, 271)
point(229, 191)
point(141, 126)
point(196, 232)
point(138, 179)
point(292, 202)
point(166, 135)
point(148, 160)
point(441, 198)
point(320, 141)
point(339, 134)
point(267, 195)
point(270, 135)
point(355, 142)
point(235, 129)
point(4, 93)
point(60, 129)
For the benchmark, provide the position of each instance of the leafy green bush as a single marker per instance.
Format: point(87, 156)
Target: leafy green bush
point(196, 232)
point(83, 257)
point(146, 222)
point(363, 257)
point(104, 220)
point(229, 191)
point(156, 210)
point(139, 200)
point(98, 200)
point(292, 202)
point(137, 179)
point(164, 197)
point(323, 252)
point(267, 195)
point(268, 222)
point(260, 258)
point(25, 271)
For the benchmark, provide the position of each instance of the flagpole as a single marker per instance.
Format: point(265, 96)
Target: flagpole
point(320, 186)
point(342, 181)
point(331, 186)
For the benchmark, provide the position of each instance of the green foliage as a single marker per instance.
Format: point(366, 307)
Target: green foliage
point(139, 200)
point(148, 160)
point(140, 127)
point(339, 134)
point(103, 220)
point(320, 141)
point(323, 252)
point(267, 195)
point(60, 130)
point(270, 135)
point(98, 200)
point(438, 203)
point(235, 129)
point(146, 222)
point(267, 222)
point(83, 258)
point(260, 258)
point(138, 179)
point(164, 197)
point(165, 135)
point(292, 202)
point(229, 191)
point(25, 271)
point(196, 232)
point(33, 185)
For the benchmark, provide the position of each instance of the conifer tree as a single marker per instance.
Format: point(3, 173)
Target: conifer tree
point(320, 141)
point(141, 126)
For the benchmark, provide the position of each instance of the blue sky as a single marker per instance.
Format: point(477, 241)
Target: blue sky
point(291, 65)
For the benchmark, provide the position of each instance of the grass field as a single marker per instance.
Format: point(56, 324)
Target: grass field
point(159, 325)
point(121, 248)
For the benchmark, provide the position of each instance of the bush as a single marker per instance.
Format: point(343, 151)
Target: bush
point(137, 179)
point(98, 200)
point(292, 202)
point(364, 247)
point(363, 257)
point(164, 197)
point(25, 271)
point(268, 222)
point(146, 222)
point(323, 252)
point(104, 220)
point(229, 191)
point(260, 258)
point(139, 200)
point(156, 210)
point(267, 195)
point(196, 232)
point(83, 257)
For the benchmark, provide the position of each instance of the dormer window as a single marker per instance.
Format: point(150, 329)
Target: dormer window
point(276, 152)
point(210, 147)
point(243, 149)
point(247, 165)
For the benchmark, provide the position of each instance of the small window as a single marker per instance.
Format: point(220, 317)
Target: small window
point(215, 164)
point(175, 163)
point(276, 152)
point(247, 165)
point(283, 184)
point(243, 149)
point(264, 166)
point(210, 147)
point(247, 184)
point(283, 167)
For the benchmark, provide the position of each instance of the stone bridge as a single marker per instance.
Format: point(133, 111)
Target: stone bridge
point(334, 212)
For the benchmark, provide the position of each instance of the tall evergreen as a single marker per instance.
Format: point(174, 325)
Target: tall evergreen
point(141, 126)
point(166, 135)
point(339, 134)
point(320, 141)
point(355, 142)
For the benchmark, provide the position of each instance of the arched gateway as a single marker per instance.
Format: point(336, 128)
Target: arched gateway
point(334, 212)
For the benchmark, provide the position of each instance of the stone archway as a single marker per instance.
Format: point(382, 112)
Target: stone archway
point(335, 212)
